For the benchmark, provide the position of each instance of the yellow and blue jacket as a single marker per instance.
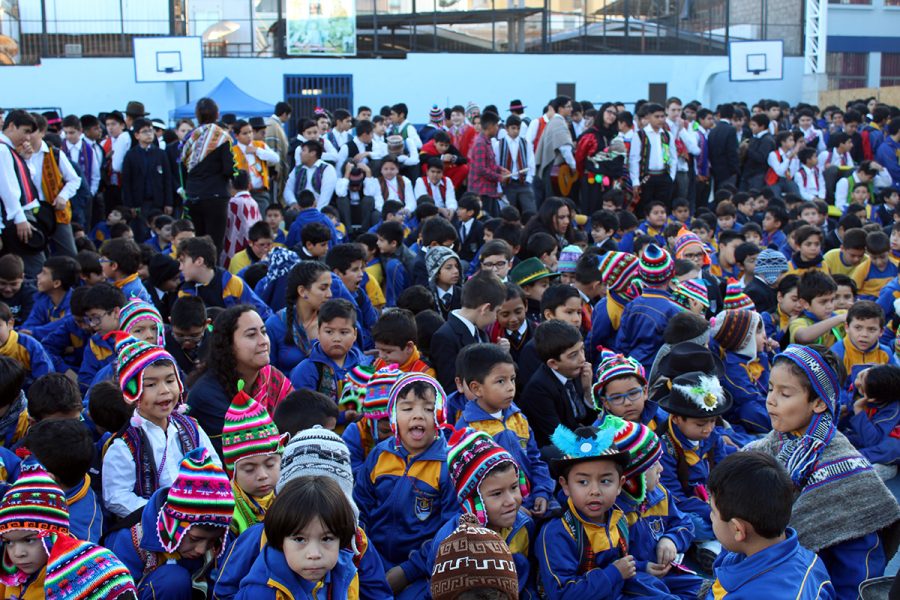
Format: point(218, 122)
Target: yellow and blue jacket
point(870, 280)
point(271, 578)
point(226, 290)
point(98, 353)
point(29, 353)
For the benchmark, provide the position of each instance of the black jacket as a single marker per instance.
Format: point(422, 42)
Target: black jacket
point(468, 247)
point(209, 179)
point(546, 405)
point(764, 297)
point(756, 161)
point(140, 166)
point(723, 151)
point(448, 340)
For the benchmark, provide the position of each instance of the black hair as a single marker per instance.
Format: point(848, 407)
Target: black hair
point(12, 378)
point(20, 118)
point(877, 242)
point(254, 273)
point(304, 409)
point(587, 269)
point(541, 243)
point(510, 214)
point(680, 203)
point(241, 180)
point(557, 295)
point(64, 447)
point(341, 257)
point(729, 235)
point(425, 209)
point(489, 118)
point(882, 383)
point(849, 221)
point(854, 239)
point(125, 253)
point(275, 207)
point(480, 359)
point(199, 247)
point(52, 394)
point(754, 487)
point(187, 312)
point(206, 110)
point(64, 269)
point(427, 323)
point(683, 327)
point(11, 267)
point(71, 121)
point(511, 233)
point(788, 283)
point(469, 201)
point(392, 231)
point(107, 406)
point(779, 214)
point(104, 296)
point(553, 337)
point(760, 119)
point(395, 327)
point(321, 498)
point(260, 231)
point(746, 250)
point(751, 227)
point(606, 219)
point(282, 108)
point(315, 233)
point(182, 225)
point(684, 266)
point(416, 299)
point(391, 207)
point(337, 308)
point(314, 146)
point(438, 230)
point(814, 284)
point(400, 108)
point(865, 309)
point(483, 288)
point(494, 248)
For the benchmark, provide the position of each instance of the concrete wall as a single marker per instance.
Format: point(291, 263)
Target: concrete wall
point(92, 85)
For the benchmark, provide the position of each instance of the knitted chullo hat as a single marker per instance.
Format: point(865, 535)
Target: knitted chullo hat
point(472, 110)
point(395, 143)
point(436, 115)
point(79, 570)
point(248, 430)
point(136, 311)
point(733, 329)
point(644, 450)
point(318, 451)
point(568, 258)
point(133, 356)
point(821, 375)
point(686, 239)
point(655, 266)
point(472, 455)
point(435, 257)
point(200, 495)
point(354, 390)
point(440, 400)
point(473, 558)
point(690, 289)
point(770, 264)
point(613, 366)
point(617, 270)
point(35, 503)
point(378, 393)
point(735, 298)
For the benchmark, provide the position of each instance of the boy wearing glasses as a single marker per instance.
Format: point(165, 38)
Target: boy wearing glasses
point(102, 304)
point(187, 338)
point(621, 391)
point(496, 256)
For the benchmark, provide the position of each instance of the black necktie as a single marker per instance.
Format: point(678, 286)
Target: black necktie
point(481, 336)
point(514, 338)
point(445, 301)
point(574, 400)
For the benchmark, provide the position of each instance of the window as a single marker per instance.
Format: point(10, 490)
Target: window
point(892, 2)
point(866, 2)
point(890, 68)
point(847, 70)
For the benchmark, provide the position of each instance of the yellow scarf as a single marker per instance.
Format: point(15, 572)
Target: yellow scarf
point(52, 184)
point(690, 455)
point(754, 369)
point(248, 511)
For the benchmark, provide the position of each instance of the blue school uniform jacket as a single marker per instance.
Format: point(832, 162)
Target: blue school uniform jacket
point(605, 320)
point(319, 372)
point(242, 554)
point(513, 433)
point(98, 353)
point(561, 551)
point(44, 312)
point(748, 383)
point(360, 442)
point(456, 404)
point(886, 298)
point(133, 287)
point(310, 215)
point(626, 244)
point(65, 341)
point(643, 322)
point(85, 515)
point(785, 570)
point(270, 578)
point(396, 279)
point(285, 356)
point(225, 290)
point(30, 353)
point(403, 500)
point(873, 433)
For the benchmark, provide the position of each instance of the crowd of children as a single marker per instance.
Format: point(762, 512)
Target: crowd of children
point(406, 364)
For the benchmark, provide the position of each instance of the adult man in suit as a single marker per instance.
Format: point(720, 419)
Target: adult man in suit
point(559, 392)
point(482, 295)
point(146, 178)
point(723, 149)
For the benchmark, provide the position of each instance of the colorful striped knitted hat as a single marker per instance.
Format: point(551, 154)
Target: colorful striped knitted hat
point(436, 115)
point(472, 455)
point(568, 258)
point(770, 264)
point(472, 110)
point(735, 298)
point(248, 430)
point(136, 311)
point(133, 356)
point(732, 329)
point(354, 386)
point(440, 399)
point(35, 503)
point(655, 266)
point(686, 239)
point(821, 376)
point(378, 393)
point(617, 269)
point(644, 450)
point(80, 570)
point(613, 366)
point(200, 495)
point(690, 289)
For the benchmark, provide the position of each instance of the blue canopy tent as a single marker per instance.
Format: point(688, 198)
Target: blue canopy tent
point(231, 99)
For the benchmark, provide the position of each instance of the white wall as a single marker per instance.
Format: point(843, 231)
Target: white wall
point(420, 80)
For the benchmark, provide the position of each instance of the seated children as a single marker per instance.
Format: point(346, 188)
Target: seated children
point(770, 266)
point(861, 347)
point(777, 322)
point(817, 322)
point(13, 404)
point(444, 272)
point(773, 237)
point(187, 339)
point(563, 303)
point(512, 323)
point(825, 470)
point(876, 273)
point(589, 544)
point(254, 249)
point(742, 344)
point(808, 256)
point(750, 498)
point(53, 396)
point(162, 236)
point(724, 263)
point(144, 457)
point(395, 337)
point(303, 409)
point(315, 238)
point(652, 225)
point(121, 260)
point(490, 375)
point(534, 278)
point(809, 177)
point(396, 260)
point(545, 247)
point(617, 270)
point(17, 293)
point(621, 391)
point(850, 257)
point(64, 448)
point(348, 261)
point(275, 219)
point(568, 259)
point(691, 443)
point(745, 256)
point(54, 284)
point(374, 426)
point(173, 546)
point(874, 416)
point(437, 187)
point(401, 508)
point(251, 451)
point(23, 348)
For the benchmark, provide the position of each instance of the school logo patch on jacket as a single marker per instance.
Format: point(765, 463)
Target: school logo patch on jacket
point(424, 503)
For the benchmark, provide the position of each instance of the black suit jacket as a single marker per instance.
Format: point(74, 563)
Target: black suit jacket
point(723, 151)
point(448, 340)
point(756, 161)
point(468, 247)
point(764, 297)
point(135, 170)
point(546, 405)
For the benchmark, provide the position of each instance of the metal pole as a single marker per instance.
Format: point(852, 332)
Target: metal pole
point(45, 46)
point(122, 27)
point(252, 32)
point(375, 27)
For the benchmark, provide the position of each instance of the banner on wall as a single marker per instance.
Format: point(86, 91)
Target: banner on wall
point(321, 27)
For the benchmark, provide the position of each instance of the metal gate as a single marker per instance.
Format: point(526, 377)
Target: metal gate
point(307, 92)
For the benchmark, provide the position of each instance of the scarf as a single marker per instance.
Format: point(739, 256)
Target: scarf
point(248, 510)
point(298, 332)
point(202, 142)
point(270, 387)
point(800, 454)
point(555, 137)
point(800, 264)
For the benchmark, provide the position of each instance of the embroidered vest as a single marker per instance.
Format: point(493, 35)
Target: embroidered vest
point(645, 150)
point(146, 479)
point(401, 188)
point(506, 157)
point(23, 176)
point(318, 172)
point(442, 187)
point(85, 159)
point(805, 177)
point(52, 184)
point(241, 161)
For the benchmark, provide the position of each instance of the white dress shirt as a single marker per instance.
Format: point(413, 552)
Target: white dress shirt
point(121, 146)
point(255, 160)
point(655, 161)
point(370, 188)
point(10, 193)
point(70, 177)
point(75, 153)
point(424, 185)
point(393, 193)
point(323, 197)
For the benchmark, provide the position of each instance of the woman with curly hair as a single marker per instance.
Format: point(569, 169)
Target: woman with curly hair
point(555, 216)
point(240, 351)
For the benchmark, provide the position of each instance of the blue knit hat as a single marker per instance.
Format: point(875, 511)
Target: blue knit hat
point(822, 378)
point(568, 258)
point(770, 264)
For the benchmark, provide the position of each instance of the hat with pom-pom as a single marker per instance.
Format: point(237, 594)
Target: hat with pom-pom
point(686, 239)
point(617, 270)
point(354, 386)
point(248, 430)
point(436, 115)
point(200, 495)
point(136, 311)
point(655, 265)
point(406, 380)
point(690, 289)
point(133, 356)
point(644, 450)
point(78, 570)
point(471, 456)
point(735, 298)
point(378, 392)
point(612, 366)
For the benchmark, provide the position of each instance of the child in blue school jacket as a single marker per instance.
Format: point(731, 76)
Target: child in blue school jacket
point(586, 553)
point(23, 348)
point(872, 422)
point(490, 376)
point(485, 477)
point(692, 444)
point(156, 548)
point(763, 557)
point(102, 304)
point(645, 318)
point(657, 530)
point(54, 283)
point(403, 492)
point(861, 347)
point(653, 226)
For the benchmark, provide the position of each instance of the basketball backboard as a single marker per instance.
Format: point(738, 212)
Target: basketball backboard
point(168, 59)
point(755, 61)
